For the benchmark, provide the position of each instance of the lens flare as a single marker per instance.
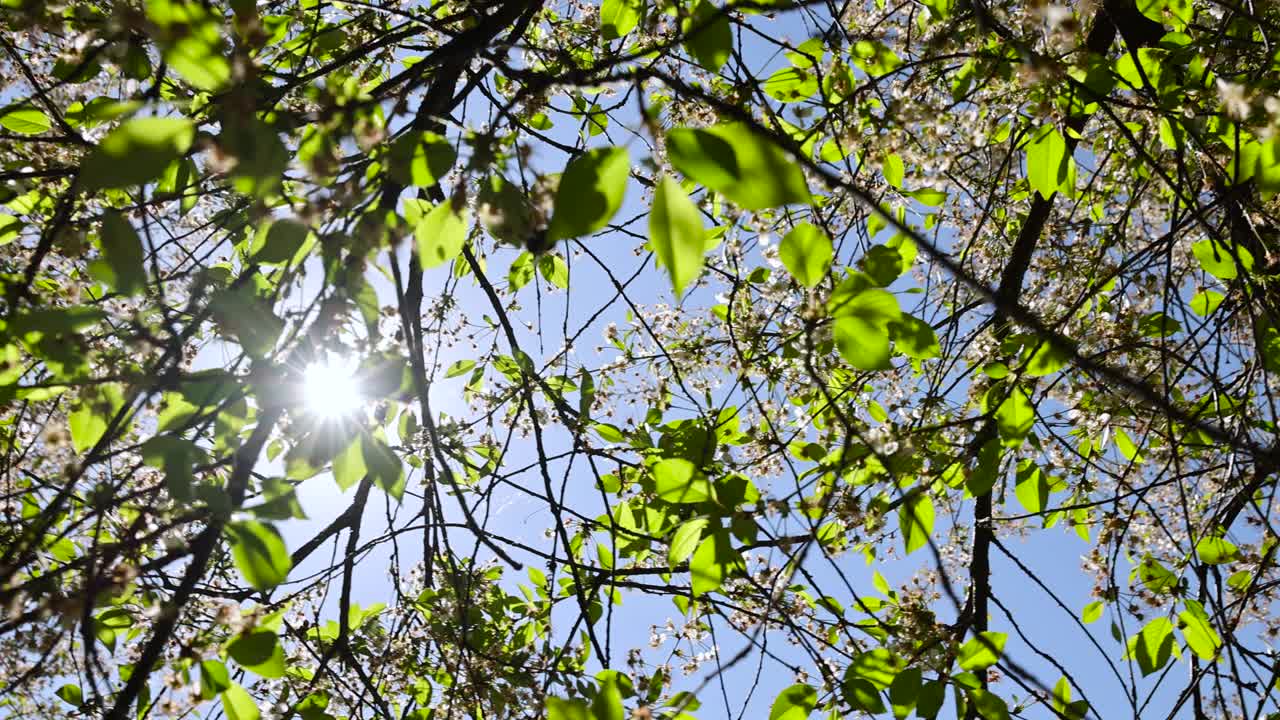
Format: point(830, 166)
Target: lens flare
point(330, 388)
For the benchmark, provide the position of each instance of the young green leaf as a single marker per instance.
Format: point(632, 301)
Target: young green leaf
point(678, 481)
point(1216, 551)
point(708, 36)
point(590, 193)
point(137, 152)
point(862, 328)
point(441, 235)
point(25, 120)
point(89, 421)
point(214, 678)
point(1196, 629)
point(121, 267)
point(1153, 646)
point(279, 242)
point(258, 651)
point(915, 518)
point(894, 170)
point(794, 703)
point(676, 234)
point(619, 17)
point(607, 704)
point(806, 252)
point(713, 562)
point(685, 540)
point(238, 704)
point(1048, 163)
point(982, 651)
point(420, 159)
point(259, 552)
point(1221, 261)
point(349, 466)
point(1015, 416)
point(731, 159)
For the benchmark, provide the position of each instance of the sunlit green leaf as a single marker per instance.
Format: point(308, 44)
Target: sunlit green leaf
point(590, 192)
point(259, 552)
point(806, 252)
point(136, 152)
point(730, 159)
point(676, 234)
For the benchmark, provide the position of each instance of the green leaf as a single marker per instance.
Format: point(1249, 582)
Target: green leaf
point(1048, 163)
point(791, 84)
point(685, 540)
point(713, 562)
point(238, 704)
point(731, 159)
point(1032, 489)
point(676, 234)
point(1092, 612)
point(806, 252)
point(590, 193)
point(1153, 646)
point(1205, 302)
point(1216, 551)
point(878, 667)
point(383, 465)
point(574, 709)
point(280, 242)
point(121, 267)
point(259, 553)
point(521, 270)
point(607, 704)
point(176, 457)
point(1220, 261)
point(462, 367)
point(677, 481)
point(441, 235)
point(981, 652)
point(1198, 631)
point(137, 152)
point(709, 37)
point(904, 693)
point(192, 42)
point(862, 328)
point(989, 705)
point(554, 270)
point(88, 422)
point(348, 465)
point(915, 518)
point(1045, 359)
point(10, 228)
point(894, 170)
point(1015, 416)
point(862, 695)
point(929, 196)
point(214, 678)
point(247, 318)
point(932, 695)
point(25, 120)
point(794, 703)
point(420, 159)
point(914, 338)
point(258, 651)
point(260, 157)
point(71, 694)
point(619, 17)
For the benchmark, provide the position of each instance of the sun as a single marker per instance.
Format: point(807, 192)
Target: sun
point(331, 388)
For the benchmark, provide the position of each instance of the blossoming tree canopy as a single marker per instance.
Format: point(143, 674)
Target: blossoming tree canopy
point(410, 359)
